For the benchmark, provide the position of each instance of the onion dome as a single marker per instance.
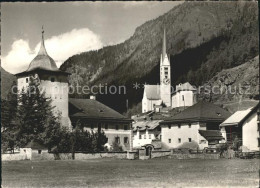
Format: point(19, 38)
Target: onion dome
point(42, 60)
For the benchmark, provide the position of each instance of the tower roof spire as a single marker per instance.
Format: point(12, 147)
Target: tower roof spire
point(42, 50)
point(164, 44)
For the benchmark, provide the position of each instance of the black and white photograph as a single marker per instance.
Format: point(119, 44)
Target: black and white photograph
point(130, 94)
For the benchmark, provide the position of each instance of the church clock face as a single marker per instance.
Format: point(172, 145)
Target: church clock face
point(166, 81)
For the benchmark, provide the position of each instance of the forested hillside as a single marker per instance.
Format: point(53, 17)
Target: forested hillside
point(7, 80)
point(203, 38)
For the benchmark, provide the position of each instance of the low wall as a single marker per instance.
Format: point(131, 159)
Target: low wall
point(156, 154)
point(14, 157)
point(85, 156)
point(195, 156)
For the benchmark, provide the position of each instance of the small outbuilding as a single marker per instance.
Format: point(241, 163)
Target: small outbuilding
point(243, 128)
point(34, 150)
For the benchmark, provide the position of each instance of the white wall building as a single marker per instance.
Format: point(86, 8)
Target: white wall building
point(184, 96)
point(144, 132)
point(189, 125)
point(243, 124)
point(159, 94)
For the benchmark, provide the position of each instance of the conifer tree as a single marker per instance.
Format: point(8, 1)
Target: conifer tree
point(36, 120)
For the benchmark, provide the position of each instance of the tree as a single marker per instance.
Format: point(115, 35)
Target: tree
point(36, 120)
point(8, 111)
point(116, 146)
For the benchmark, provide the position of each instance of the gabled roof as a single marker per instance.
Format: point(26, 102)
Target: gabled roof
point(239, 116)
point(35, 145)
point(200, 112)
point(185, 87)
point(152, 92)
point(211, 134)
point(142, 125)
point(92, 109)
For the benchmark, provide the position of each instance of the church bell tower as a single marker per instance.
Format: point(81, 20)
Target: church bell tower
point(165, 75)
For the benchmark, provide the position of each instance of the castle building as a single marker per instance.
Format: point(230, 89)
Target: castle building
point(93, 115)
point(51, 80)
point(159, 94)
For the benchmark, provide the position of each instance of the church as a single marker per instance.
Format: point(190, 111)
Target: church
point(162, 95)
point(93, 115)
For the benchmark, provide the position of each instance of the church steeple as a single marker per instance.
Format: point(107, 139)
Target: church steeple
point(164, 44)
point(42, 50)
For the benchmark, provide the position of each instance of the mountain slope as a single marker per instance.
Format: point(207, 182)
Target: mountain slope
point(202, 39)
point(231, 87)
point(7, 80)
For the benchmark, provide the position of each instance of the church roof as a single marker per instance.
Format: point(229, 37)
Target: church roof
point(164, 44)
point(152, 92)
point(185, 87)
point(202, 111)
point(42, 61)
point(93, 109)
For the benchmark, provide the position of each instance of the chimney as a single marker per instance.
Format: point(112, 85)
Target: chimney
point(93, 97)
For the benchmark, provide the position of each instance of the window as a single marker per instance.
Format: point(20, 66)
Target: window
point(106, 126)
point(140, 136)
point(258, 142)
point(189, 125)
point(179, 140)
point(39, 151)
point(126, 140)
point(52, 79)
point(149, 136)
point(27, 80)
point(116, 127)
point(182, 97)
point(145, 136)
point(170, 140)
point(117, 139)
point(125, 127)
point(179, 126)
point(169, 126)
point(160, 137)
point(189, 139)
point(258, 126)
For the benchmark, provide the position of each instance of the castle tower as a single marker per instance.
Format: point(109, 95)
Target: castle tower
point(53, 81)
point(165, 75)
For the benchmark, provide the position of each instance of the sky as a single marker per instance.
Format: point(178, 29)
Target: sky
point(69, 27)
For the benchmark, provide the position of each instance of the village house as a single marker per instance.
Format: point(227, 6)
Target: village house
point(243, 127)
point(94, 115)
point(145, 132)
point(198, 123)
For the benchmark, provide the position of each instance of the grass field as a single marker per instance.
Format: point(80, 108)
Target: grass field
point(127, 173)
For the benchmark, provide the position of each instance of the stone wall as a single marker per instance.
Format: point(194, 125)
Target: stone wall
point(85, 156)
point(14, 157)
point(195, 156)
point(156, 154)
